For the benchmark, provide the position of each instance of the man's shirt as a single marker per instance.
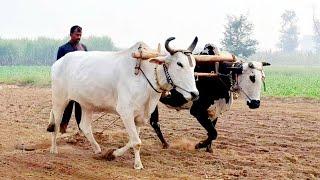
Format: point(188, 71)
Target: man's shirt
point(69, 47)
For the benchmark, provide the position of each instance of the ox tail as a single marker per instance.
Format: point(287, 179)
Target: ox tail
point(51, 126)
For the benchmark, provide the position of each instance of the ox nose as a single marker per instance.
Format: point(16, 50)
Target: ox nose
point(253, 104)
point(194, 95)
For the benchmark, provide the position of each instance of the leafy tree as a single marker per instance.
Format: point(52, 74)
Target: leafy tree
point(238, 36)
point(316, 37)
point(289, 40)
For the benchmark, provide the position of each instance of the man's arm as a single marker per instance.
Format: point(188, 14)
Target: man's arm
point(61, 53)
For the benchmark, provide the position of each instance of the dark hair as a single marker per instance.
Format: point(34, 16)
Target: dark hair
point(75, 28)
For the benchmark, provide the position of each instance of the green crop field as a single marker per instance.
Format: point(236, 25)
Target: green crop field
point(293, 81)
point(290, 81)
point(25, 75)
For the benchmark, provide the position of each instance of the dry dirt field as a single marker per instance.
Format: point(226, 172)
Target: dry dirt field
point(280, 140)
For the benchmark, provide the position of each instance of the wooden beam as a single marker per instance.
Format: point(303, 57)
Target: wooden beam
point(143, 55)
point(200, 74)
point(208, 59)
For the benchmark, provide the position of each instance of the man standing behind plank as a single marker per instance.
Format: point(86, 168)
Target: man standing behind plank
point(73, 45)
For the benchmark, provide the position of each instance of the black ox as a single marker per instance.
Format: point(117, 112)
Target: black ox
point(216, 94)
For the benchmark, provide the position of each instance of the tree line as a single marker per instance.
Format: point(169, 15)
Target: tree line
point(238, 39)
point(42, 50)
point(238, 35)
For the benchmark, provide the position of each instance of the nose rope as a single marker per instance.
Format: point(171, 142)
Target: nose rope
point(237, 87)
point(149, 81)
point(264, 86)
point(263, 78)
point(168, 77)
point(244, 93)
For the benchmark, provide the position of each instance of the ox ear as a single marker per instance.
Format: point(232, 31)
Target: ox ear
point(157, 60)
point(265, 64)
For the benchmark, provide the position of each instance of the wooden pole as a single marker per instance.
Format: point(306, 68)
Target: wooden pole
point(145, 54)
point(208, 59)
point(200, 74)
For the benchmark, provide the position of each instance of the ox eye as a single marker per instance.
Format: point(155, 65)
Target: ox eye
point(252, 78)
point(179, 64)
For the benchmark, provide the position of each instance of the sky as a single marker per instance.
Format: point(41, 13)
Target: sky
point(151, 21)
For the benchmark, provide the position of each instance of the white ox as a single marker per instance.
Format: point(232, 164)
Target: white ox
point(105, 81)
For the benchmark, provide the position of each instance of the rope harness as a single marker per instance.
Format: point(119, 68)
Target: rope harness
point(235, 87)
point(234, 82)
point(167, 75)
point(168, 78)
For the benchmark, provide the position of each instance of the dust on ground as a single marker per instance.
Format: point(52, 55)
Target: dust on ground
point(281, 139)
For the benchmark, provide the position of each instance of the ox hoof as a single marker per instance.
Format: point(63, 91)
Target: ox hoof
point(165, 145)
point(63, 128)
point(98, 156)
point(109, 155)
point(200, 145)
point(97, 150)
point(51, 128)
point(138, 166)
point(209, 149)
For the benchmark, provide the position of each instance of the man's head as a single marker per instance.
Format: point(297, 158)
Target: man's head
point(75, 34)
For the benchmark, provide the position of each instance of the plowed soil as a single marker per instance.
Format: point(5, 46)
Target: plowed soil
point(279, 140)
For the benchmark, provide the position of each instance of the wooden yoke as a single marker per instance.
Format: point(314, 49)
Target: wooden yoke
point(143, 54)
point(212, 60)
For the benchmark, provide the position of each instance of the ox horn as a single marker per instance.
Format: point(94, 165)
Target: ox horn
point(193, 44)
point(265, 64)
point(168, 48)
point(159, 48)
